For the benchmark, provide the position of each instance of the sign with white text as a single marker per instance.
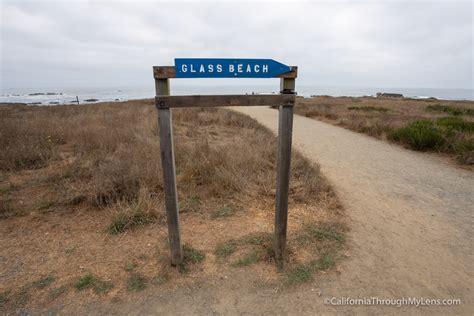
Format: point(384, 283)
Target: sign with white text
point(228, 68)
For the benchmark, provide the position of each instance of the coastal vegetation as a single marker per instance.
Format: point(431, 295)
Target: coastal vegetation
point(81, 188)
point(444, 127)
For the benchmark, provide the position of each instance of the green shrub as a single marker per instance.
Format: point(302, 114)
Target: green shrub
point(85, 282)
point(469, 112)
point(456, 123)
point(421, 135)
point(448, 109)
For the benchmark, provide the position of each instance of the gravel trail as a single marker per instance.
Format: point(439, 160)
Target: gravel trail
point(411, 214)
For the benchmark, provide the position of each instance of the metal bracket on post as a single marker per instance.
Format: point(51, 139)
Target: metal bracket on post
point(169, 172)
point(287, 85)
point(285, 130)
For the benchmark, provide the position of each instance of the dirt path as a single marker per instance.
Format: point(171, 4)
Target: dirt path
point(412, 228)
point(412, 233)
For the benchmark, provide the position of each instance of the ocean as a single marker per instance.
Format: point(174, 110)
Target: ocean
point(67, 95)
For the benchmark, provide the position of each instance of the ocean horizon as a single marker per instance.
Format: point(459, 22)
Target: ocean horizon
point(67, 95)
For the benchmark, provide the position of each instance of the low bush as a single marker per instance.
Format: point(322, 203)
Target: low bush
point(456, 123)
point(451, 135)
point(447, 109)
point(395, 120)
point(421, 135)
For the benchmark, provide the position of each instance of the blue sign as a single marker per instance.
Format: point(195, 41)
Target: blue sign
point(228, 68)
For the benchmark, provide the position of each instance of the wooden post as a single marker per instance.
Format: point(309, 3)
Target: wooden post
point(164, 103)
point(169, 173)
point(285, 128)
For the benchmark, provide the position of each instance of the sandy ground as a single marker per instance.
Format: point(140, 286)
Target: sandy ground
point(411, 236)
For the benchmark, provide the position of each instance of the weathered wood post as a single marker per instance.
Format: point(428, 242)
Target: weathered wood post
point(285, 129)
point(226, 68)
point(165, 126)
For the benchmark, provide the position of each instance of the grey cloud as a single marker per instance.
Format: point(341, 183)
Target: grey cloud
point(400, 44)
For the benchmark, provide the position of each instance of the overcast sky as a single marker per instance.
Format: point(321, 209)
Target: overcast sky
point(352, 43)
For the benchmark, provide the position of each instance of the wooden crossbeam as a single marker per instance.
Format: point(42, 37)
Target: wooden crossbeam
point(164, 102)
point(167, 72)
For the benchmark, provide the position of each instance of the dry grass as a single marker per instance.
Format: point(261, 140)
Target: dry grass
point(83, 186)
point(112, 152)
point(406, 121)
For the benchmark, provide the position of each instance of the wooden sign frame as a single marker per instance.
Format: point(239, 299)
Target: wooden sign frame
point(164, 102)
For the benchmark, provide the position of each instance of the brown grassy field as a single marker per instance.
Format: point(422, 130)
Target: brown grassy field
point(445, 127)
point(81, 203)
